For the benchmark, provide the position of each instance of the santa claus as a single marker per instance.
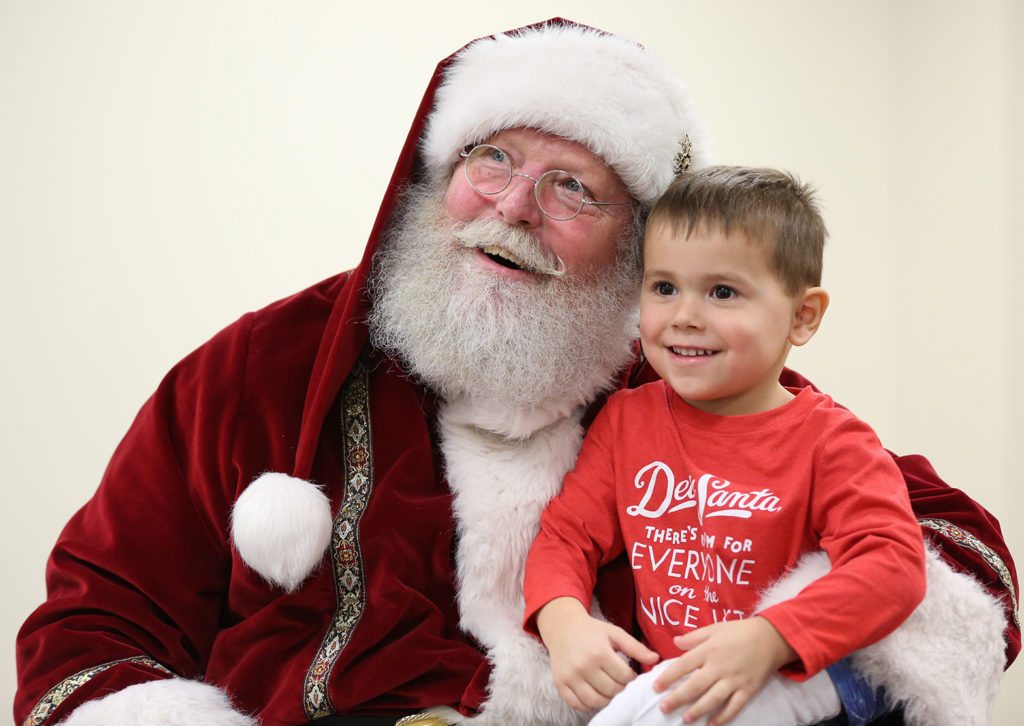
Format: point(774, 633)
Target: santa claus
point(323, 512)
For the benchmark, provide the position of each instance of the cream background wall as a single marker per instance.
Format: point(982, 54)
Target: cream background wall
point(165, 167)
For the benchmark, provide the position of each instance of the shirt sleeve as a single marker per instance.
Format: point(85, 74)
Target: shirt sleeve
point(579, 529)
point(966, 536)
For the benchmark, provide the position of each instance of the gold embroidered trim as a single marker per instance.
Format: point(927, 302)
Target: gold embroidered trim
point(56, 695)
point(965, 539)
point(347, 558)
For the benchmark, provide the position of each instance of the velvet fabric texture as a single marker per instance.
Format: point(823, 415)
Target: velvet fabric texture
point(144, 584)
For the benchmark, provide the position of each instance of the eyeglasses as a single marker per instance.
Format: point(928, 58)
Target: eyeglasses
point(559, 194)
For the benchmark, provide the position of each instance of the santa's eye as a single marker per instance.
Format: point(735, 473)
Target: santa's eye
point(572, 184)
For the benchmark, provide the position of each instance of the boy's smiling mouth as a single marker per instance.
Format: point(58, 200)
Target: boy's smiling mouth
point(692, 352)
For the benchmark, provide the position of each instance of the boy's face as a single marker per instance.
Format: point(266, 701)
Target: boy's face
point(715, 321)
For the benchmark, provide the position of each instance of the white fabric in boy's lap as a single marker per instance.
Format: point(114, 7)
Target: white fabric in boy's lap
point(781, 702)
point(637, 703)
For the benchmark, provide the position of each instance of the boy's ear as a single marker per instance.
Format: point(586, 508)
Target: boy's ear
point(810, 309)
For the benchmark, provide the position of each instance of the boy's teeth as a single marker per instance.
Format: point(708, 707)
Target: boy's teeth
point(692, 351)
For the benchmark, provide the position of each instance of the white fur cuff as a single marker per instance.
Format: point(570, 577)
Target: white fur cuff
point(944, 664)
point(171, 702)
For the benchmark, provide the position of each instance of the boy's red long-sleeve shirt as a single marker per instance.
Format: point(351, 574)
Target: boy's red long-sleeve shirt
point(710, 510)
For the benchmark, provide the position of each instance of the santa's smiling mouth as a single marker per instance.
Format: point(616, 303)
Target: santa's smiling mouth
point(512, 261)
point(504, 258)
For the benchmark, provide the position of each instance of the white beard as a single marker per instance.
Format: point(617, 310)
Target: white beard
point(513, 360)
point(548, 342)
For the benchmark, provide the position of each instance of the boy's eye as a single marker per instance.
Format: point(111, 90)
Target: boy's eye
point(722, 292)
point(664, 288)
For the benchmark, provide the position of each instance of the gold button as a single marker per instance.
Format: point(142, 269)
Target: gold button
point(421, 719)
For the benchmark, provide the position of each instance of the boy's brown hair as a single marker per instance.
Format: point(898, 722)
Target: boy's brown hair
point(770, 207)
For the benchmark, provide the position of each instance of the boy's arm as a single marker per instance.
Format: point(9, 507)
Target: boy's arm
point(579, 532)
point(861, 514)
point(964, 534)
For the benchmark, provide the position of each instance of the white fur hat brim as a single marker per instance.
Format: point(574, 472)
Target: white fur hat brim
point(601, 90)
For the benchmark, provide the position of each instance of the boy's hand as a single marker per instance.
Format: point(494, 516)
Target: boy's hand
point(585, 660)
point(728, 663)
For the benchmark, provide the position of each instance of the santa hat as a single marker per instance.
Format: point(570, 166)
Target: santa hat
point(601, 90)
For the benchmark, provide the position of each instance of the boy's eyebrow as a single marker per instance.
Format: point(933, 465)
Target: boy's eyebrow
point(732, 279)
point(658, 272)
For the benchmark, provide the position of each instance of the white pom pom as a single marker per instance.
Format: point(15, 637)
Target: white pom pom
point(281, 527)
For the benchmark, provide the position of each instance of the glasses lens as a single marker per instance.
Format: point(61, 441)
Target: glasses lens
point(560, 195)
point(488, 169)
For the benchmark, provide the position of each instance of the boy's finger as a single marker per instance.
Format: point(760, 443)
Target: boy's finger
point(693, 638)
point(678, 668)
point(711, 700)
point(687, 691)
point(633, 648)
point(589, 697)
point(732, 708)
point(608, 684)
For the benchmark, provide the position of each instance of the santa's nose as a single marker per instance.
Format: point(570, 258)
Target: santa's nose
point(516, 204)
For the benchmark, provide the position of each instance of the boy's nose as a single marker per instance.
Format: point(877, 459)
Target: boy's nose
point(687, 313)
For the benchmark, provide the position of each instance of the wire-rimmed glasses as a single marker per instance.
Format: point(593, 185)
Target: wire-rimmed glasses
point(559, 194)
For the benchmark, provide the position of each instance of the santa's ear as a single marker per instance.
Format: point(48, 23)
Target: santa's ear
point(808, 311)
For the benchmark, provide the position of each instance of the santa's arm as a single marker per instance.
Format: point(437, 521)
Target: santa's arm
point(137, 578)
point(969, 616)
point(967, 538)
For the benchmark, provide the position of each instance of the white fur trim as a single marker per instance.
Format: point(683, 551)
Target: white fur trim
point(171, 702)
point(500, 488)
point(810, 567)
point(601, 90)
point(945, 662)
point(281, 528)
point(506, 421)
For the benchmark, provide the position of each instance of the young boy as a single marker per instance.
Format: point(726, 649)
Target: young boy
point(716, 479)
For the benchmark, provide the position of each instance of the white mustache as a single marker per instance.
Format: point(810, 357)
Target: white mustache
point(511, 243)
